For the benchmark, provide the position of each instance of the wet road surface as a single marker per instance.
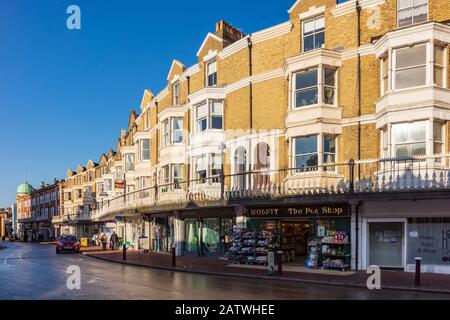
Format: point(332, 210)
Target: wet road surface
point(35, 271)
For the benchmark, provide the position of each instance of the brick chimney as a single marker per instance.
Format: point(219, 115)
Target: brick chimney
point(228, 32)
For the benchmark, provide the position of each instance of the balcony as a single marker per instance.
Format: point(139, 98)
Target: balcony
point(346, 181)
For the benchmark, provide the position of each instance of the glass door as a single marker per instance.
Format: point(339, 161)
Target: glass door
point(192, 240)
point(386, 244)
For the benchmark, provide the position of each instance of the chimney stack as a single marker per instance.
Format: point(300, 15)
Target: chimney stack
point(228, 32)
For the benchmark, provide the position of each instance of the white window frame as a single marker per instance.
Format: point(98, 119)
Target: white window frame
point(413, 7)
point(175, 179)
point(209, 116)
point(165, 134)
point(395, 69)
point(322, 166)
point(127, 164)
point(176, 93)
point(409, 143)
point(142, 150)
point(173, 130)
point(209, 162)
point(320, 69)
point(208, 73)
point(322, 16)
point(442, 67)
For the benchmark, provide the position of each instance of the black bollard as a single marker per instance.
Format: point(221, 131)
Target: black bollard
point(418, 271)
point(124, 252)
point(280, 262)
point(174, 257)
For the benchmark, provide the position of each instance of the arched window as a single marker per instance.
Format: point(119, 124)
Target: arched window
point(240, 164)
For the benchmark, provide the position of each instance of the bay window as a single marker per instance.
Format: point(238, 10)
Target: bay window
point(410, 66)
point(209, 115)
point(313, 33)
point(119, 173)
point(385, 74)
point(165, 178)
point(144, 147)
point(177, 176)
point(208, 166)
point(411, 12)
point(312, 152)
point(165, 138)
point(306, 153)
point(439, 66)
point(409, 139)
point(438, 138)
point(314, 86)
point(177, 130)
point(211, 73)
point(129, 162)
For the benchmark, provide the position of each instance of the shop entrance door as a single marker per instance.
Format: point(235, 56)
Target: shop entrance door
point(386, 244)
point(192, 243)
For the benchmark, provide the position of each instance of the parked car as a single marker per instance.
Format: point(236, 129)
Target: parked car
point(68, 243)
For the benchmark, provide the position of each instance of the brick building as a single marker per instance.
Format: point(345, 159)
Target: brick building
point(327, 131)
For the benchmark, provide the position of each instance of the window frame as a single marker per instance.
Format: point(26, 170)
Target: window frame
point(395, 69)
point(321, 86)
point(208, 74)
point(314, 33)
point(142, 150)
point(412, 16)
point(176, 93)
point(394, 144)
point(322, 165)
point(177, 181)
point(209, 116)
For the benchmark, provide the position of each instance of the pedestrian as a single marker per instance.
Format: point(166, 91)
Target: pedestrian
point(114, 240)
point(3, 238)
point(104, 241)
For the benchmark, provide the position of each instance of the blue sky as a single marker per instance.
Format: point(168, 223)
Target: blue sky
point(65, 95)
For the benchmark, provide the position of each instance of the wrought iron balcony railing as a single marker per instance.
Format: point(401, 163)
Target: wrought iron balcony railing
point(355, 177)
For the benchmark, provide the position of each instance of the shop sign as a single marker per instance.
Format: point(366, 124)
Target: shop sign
point(119, 184)
point(336, 210)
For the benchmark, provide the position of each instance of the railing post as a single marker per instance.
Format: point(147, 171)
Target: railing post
point(351, 166)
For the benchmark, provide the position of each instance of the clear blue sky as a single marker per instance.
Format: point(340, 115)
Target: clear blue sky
point(65, 95)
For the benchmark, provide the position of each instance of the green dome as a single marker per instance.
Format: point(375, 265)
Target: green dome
point(24, 188)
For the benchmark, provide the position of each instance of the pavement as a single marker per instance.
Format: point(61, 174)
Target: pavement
point(35, 272)
point(392, 280)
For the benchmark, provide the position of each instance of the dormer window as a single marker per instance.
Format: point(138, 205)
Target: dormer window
point(313, 33)
point(176, 93)
point(411, 12)
point(211, 73)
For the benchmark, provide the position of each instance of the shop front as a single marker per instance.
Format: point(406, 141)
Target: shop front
point(161, 233)
point(206, 232)
point(395, 233)
point(315, 236)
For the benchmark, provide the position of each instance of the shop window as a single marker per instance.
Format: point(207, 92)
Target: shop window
point(306, 155)
point(386, 244)
point(439, 66)
point(411, 12)
point(192, 243)
point(211, 73)
point(410, 67)
point(313, 33)
point(409, 139)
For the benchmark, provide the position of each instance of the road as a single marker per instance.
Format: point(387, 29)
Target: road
point(35, 272)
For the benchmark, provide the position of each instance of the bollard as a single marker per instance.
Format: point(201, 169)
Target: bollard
point(418, 271)
point(174, 257)
point(280, 262)
point(124, 256)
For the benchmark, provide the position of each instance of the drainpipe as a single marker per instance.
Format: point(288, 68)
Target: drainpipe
point(250, 73)
point(188, 129)
point(358, 10)
point(157, 132)
point(358, 205)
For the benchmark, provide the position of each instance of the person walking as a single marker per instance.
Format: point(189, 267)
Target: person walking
point(3, 238)
point(104, 241)
point(114, 240)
